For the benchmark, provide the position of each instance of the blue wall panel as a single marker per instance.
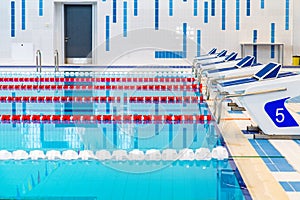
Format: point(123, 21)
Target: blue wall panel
point(223, 14)
point(254, 46)
point(195, 7)
point(107, 33)
point(170, 7)
point(205, 12)
point(125, 19)
point(135, 8)
point(13, 19)
point(41, 7)
point(198, 42)
point(262, 4)
point(248, 7)
point(272, 40)
point(287, 14)
point(213, 7)
point(156, 14)
point(114, 11)
point(23, 14)
point(237, 15)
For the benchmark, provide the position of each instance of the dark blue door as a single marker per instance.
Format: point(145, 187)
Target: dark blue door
point(78, 32)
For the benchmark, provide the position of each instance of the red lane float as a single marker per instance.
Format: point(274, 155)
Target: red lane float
point(193, 87)
point(101, 99)
point(107, 119)
point(103, 80)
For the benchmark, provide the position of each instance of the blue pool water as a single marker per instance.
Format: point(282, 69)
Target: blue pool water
point(111, 179)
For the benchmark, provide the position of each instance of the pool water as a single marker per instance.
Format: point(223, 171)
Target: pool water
point(95, 179)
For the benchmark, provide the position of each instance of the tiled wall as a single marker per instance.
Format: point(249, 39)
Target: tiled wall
point(153, 31)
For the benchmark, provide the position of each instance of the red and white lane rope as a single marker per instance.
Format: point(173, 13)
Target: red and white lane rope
point(106, 119)
point(193, 87)
point(101, 99)
point(103, 80)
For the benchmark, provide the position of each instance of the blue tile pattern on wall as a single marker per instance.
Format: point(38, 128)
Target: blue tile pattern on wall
point(23, 14)
point(248, 7)
point(170, 7)
point(262, 4)
point(13, 19)
point(107, 32)
point(287, 14)
point(125, 19)
point(198, 42)
point(223, 14)
point(272, 40)
point(213, 8)
point(41, 7)
point(205, 12)
point(114, 11)
point(195, 7)
point(184, 42)
point(223, 11)
point(135, 8)
point(156, 14)
point(254, 46)
point(237, 15)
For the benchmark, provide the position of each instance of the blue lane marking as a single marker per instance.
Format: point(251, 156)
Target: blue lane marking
point(156, 14)
point(104, 137)
point(107, 33)
point(290, 186)
point(195, 138)
point(136, 138)
point(23, 14)
point(237, 15)
point(272, 158)
point(223, 14)
point(135, 8)
point(205, 12)
point(170, 7)
point(13, 19)
point(171, 135)
point(184, 142)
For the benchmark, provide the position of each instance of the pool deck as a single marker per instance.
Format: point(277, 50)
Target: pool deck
point(262, 183)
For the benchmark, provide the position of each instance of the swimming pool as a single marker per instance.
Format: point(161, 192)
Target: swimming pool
point(110, 111)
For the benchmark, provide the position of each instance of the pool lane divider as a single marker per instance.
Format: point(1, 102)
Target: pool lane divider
point(102, 99)
point(100, 80)
point(107, 119)
point(189, 87)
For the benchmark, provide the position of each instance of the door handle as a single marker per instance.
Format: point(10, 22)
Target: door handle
point(67, 39)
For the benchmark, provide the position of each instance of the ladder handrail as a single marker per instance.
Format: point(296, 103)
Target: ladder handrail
point(38, 59)
point(56, 61)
